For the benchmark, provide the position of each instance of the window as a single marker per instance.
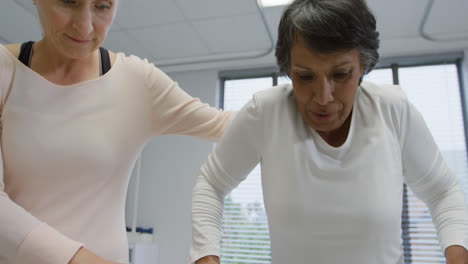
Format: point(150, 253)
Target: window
point(245, 237)
point(433, 89)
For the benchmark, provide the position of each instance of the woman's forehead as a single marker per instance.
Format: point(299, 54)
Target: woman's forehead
point(302, 48)
point(80, 1)
point(304, 59)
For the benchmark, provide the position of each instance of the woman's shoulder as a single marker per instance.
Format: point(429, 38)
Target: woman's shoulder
point(112, 56)
point(274, 98)
point(127, 58)
point(275, 93)
point(384, 93)
point(8, 56)
point(14, 49)
point(390, 100)
point(132, 62)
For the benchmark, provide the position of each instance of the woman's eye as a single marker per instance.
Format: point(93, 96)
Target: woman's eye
point(306, 77)
point(69, 1)
point(340, 75)
point(102, 7)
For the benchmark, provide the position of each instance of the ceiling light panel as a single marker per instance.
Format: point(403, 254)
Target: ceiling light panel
point(267, 3)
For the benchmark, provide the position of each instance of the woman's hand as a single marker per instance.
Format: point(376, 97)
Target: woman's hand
point(208, 260)
point(456, 255)
point(84, 256)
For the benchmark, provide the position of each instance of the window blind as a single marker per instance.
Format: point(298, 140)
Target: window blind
point(385, 76)
point(435, 92)
point(245, 237)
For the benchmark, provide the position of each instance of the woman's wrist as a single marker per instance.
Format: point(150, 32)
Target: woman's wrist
point(456, 255)
point(208, 260)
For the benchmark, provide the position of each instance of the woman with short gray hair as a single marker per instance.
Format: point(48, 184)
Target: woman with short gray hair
point(353, 26)
point(334, 152)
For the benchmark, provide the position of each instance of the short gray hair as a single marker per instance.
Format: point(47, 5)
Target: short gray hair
point(328, 26)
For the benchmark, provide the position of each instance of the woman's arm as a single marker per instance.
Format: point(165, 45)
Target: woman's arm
point(208, 260)
point(176, 112)
point(456, 255)
point(233, 158)
point(84, 256)
point(432, 181)
point(25, 239)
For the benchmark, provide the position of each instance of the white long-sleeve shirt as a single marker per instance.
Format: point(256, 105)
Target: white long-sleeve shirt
point(330, 204)
point(68, 152)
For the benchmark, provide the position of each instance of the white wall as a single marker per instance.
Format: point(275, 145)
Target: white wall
point(169, 168)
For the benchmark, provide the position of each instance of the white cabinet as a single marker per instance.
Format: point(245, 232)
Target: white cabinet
point(144, 253)
point(142, 249)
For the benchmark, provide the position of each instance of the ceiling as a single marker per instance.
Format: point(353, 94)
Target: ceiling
point(183, 34)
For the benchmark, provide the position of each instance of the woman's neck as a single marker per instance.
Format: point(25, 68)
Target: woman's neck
point(337, 137)
point(63, 70)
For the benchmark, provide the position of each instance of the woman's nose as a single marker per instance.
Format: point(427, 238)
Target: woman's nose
point(83, 23)
point(323, 93)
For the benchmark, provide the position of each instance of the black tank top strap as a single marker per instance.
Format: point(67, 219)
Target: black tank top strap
point(26, 53)
point(105, 60)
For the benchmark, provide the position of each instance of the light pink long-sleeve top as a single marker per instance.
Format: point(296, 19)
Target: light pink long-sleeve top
point(68, 153)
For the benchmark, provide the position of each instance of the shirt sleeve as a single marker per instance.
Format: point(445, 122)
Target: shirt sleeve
point(176, 112)
point(6, 73)
point(237, 153)
point(431, 180)
point(24, 238)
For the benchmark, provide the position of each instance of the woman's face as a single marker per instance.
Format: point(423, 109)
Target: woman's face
point(76, 28)
point(324, 85)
